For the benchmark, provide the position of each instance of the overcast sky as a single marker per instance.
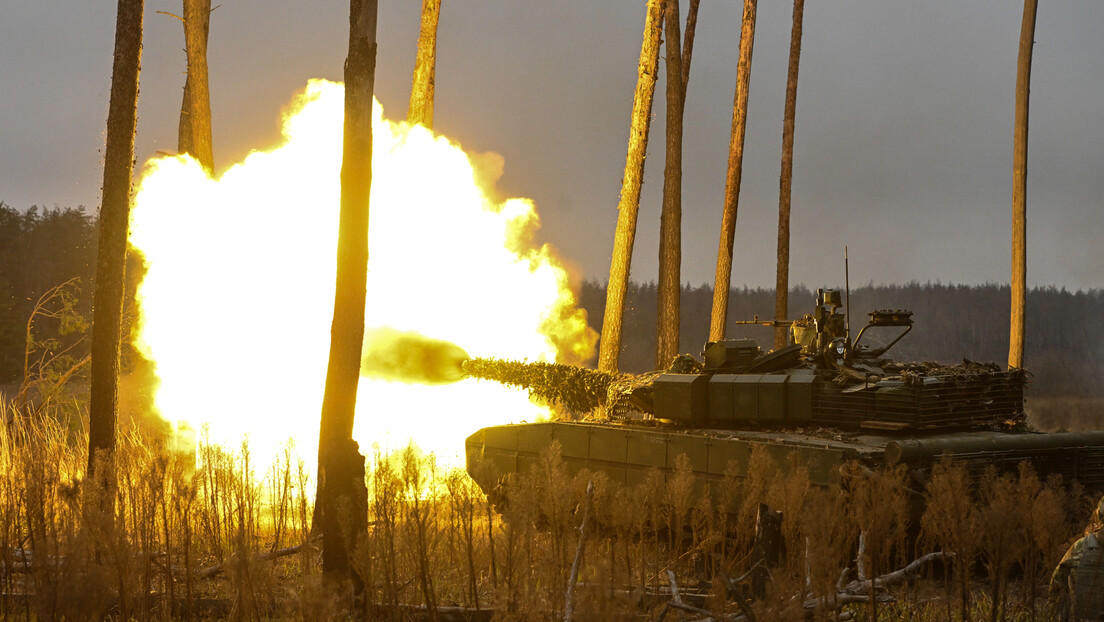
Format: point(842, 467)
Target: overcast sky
point(903, 147)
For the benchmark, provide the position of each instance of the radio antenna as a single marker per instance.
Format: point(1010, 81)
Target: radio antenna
point(847, 289)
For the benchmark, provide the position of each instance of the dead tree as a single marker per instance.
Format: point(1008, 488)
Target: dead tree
point(629, 204)
point(670, 226)
point(342, 495)
point(782, 280)
point(122, 123)
point(719, 316)
point(425, 67)
point(194, 132)
point(1019, 187)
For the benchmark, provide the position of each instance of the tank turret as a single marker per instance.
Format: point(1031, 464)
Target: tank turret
point(827, 397)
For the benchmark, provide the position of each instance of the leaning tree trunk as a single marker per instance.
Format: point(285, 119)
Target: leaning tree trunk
point(1019, 187)
point(719, 316)
point(688, 44)
point(342, 495)
point(670, 225)
point(782, 281)
point(425, 67)
point(627, 207)
point(122, 122)
point(195, 112)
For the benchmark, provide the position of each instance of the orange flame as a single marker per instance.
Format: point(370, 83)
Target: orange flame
point(237, 301)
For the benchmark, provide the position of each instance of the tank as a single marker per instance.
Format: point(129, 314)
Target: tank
point(827, 398)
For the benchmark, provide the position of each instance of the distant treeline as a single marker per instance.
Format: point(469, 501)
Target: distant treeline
point(1064, 349)
point(39, 250)
point(43, 248)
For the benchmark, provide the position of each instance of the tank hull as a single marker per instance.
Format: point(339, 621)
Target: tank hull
point(626, 453)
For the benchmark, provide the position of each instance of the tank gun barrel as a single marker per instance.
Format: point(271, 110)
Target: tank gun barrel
point(577, 389)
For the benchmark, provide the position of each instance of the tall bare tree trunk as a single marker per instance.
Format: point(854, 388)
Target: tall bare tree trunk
point(719, 316)
point(629, 204)
point(195, 111)
point(342, 494)
point(688, 44)
point(122, 122)
point(425, 67)
point(670, 220)
point(782, 282)
point(1019, 187)
point(670, 224)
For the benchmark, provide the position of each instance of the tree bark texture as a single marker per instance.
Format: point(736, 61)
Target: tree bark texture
point(782, 281)
point(340, 480)
point(629, 204)
point(688, 44)
point(122, 122)
point(195, 113)
point(719, 316)
point(670, 221)
point(1019, 186)
point(669, 292)
point(425, 67)
point(184, 127)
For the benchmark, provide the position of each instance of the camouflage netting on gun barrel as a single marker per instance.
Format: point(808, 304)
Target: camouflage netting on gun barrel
point(576, 389)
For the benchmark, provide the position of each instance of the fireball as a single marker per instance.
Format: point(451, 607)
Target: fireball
point(237, 300)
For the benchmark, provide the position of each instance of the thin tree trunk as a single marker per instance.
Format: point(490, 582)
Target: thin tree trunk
point(670, 222)
point(782, 282)
point(122, 122)
point(629, 203)
point(195, 113)
point(425, 67)
point(342, 492)
point(719, 316)
point(688, 44)
point(1019, 187)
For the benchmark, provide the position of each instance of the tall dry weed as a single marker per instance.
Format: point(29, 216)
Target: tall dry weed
point(1004, 524)
point(878, 506)
point(419, 516)
point(828, 540)
point(952, 522)
point(789, 495)
point(186, 537)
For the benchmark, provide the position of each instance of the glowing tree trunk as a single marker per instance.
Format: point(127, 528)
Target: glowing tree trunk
point(1019, 187)
point(782, 282)
point(719, 316)
point(425, 67)
point(629, 203)
point(670, 226)
point(342, 496)
point(194, 134)
point(122, 121)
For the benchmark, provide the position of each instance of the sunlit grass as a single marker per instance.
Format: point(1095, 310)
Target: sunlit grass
point(215, 533)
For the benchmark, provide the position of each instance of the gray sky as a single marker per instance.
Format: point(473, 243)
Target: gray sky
point(903, 143)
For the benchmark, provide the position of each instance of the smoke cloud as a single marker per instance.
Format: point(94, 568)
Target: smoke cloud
point(410, 357)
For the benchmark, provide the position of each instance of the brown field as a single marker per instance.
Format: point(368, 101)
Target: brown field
point(231, 539)
point(1066, 413)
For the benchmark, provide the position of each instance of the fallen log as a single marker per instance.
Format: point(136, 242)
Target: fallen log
point(219, 568)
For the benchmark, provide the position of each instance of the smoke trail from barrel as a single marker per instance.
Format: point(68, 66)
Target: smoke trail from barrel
point(410, 357)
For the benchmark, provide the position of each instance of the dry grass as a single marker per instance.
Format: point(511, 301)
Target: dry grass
point(183, 538)
point(1075, 414)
